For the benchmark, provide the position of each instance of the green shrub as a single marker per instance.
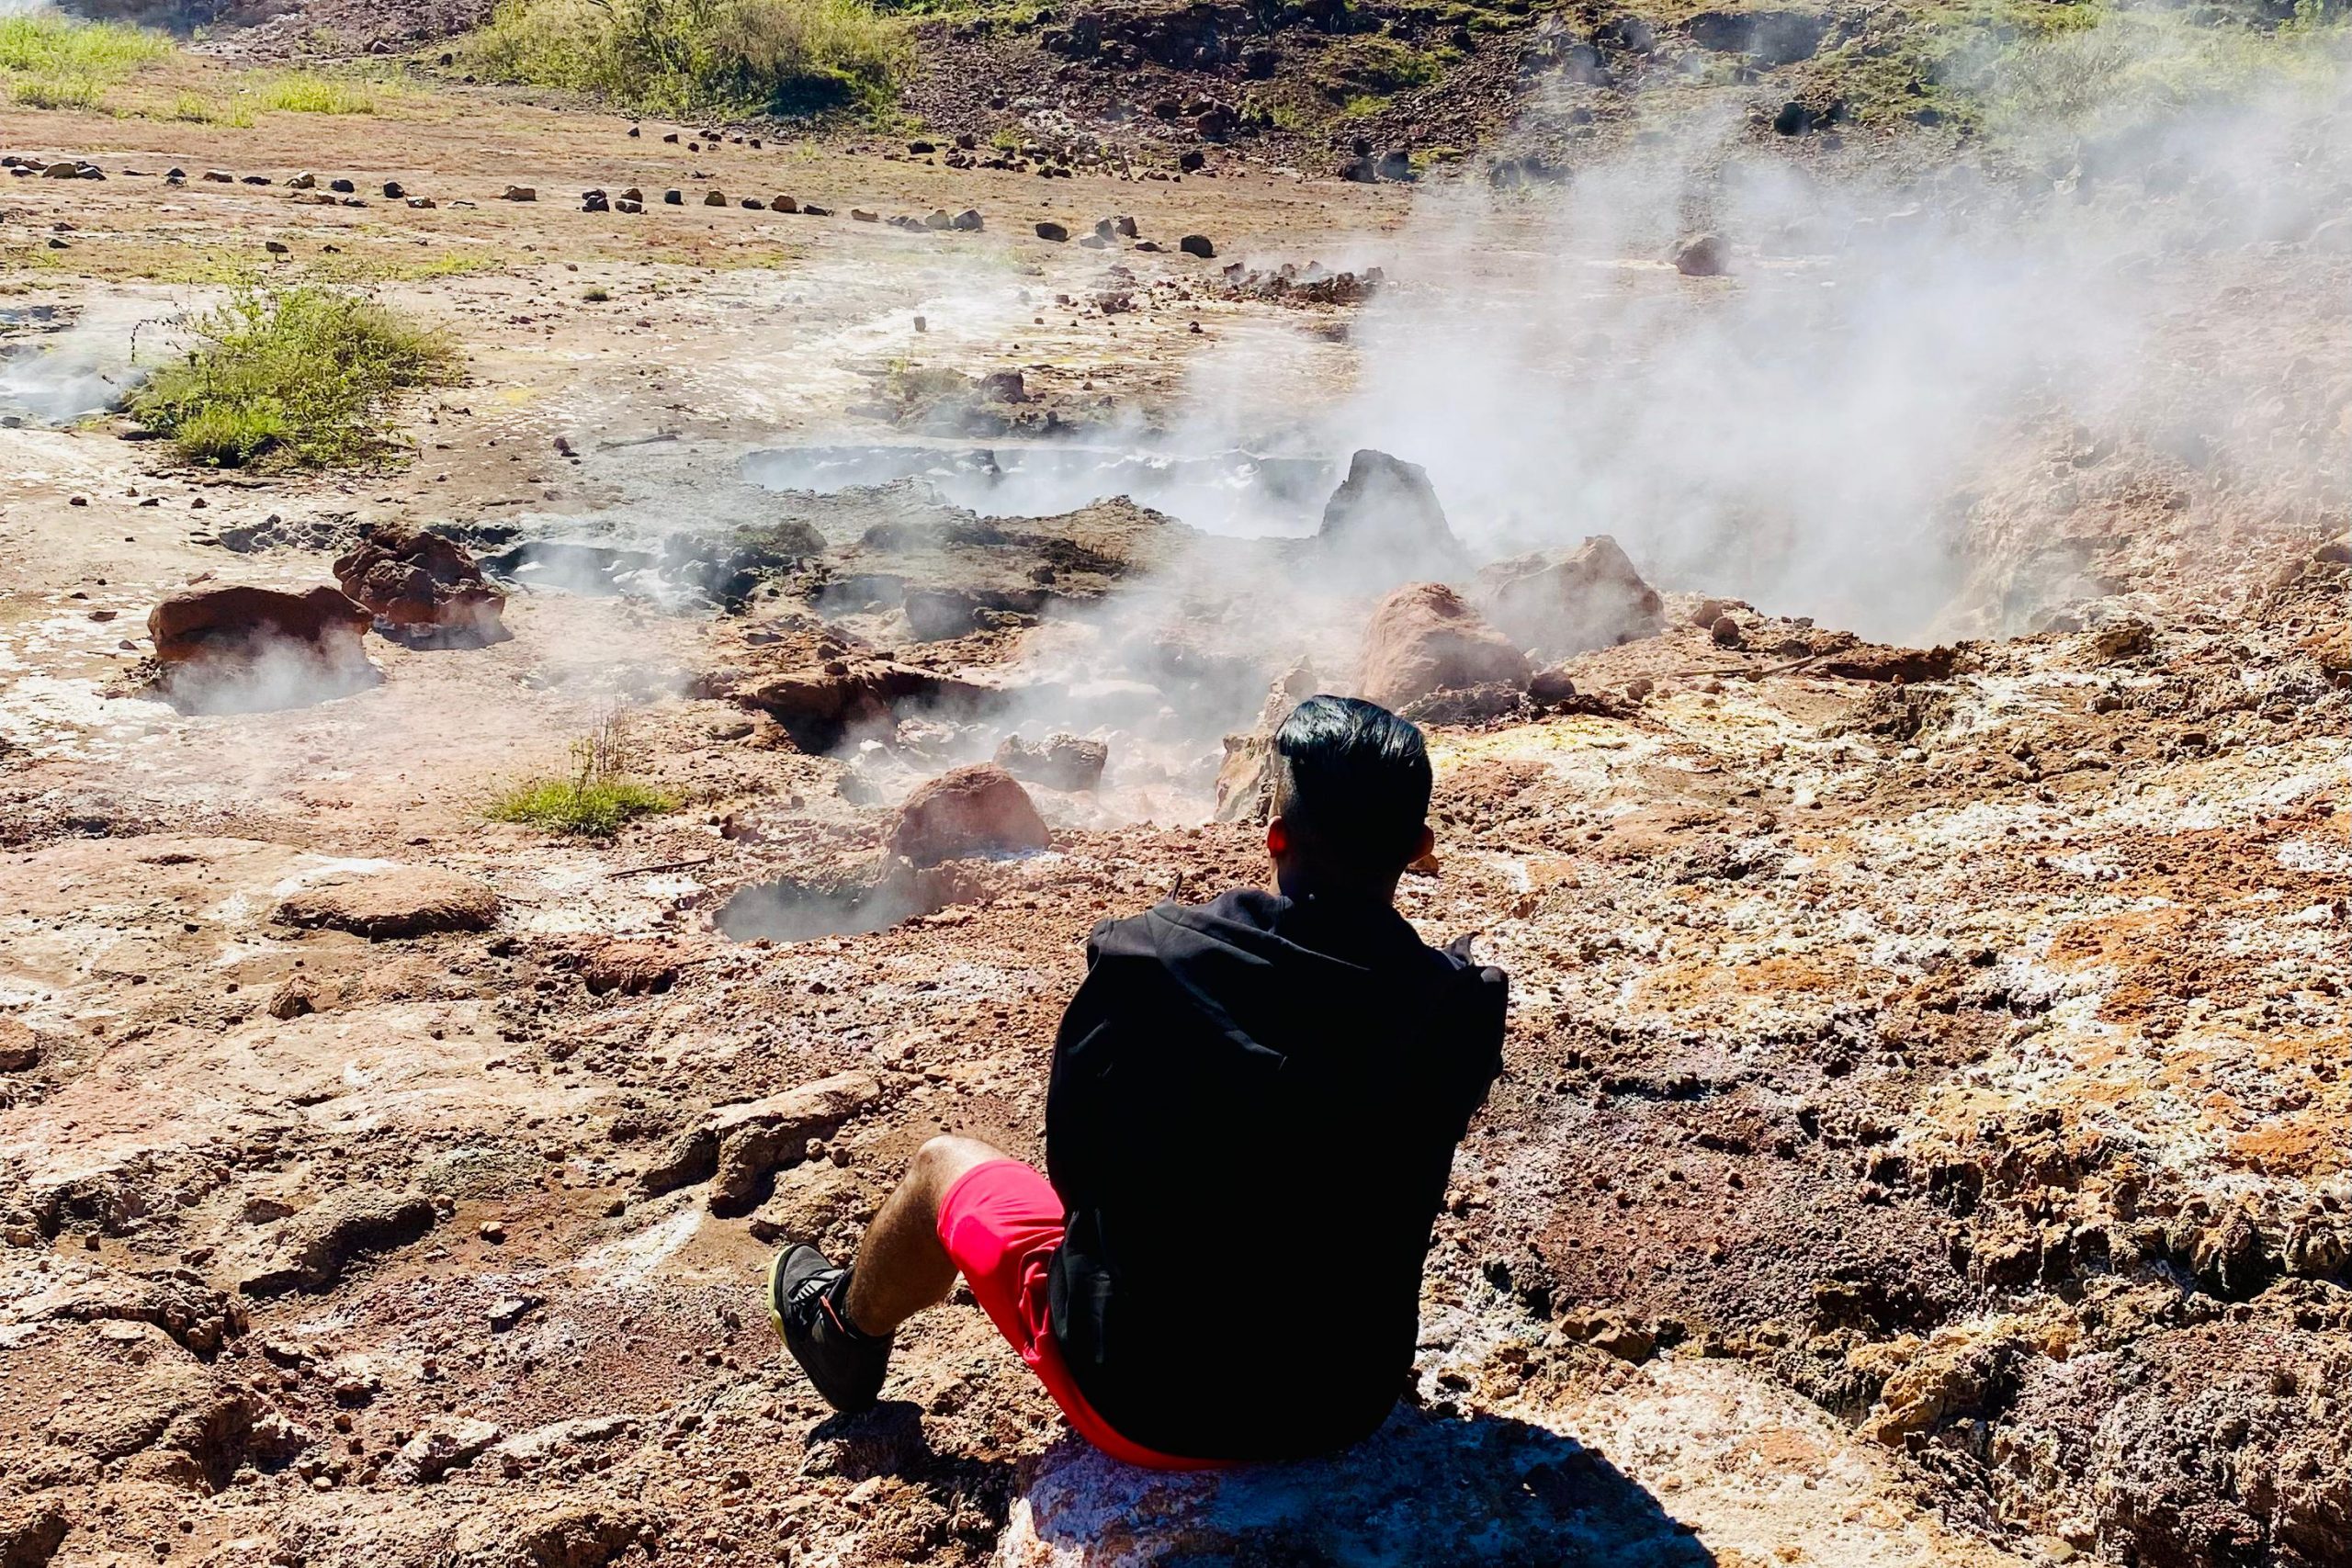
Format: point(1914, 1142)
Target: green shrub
point(598, 795)
point(681, 56)
point(592, 808)
point(301, 375)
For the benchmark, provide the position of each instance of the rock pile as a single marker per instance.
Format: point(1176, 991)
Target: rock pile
point(1060, 762)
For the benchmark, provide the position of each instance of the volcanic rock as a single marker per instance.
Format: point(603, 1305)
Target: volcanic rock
point(1052, 230)
point(316, 1245)
point(1562, 604)
point(241, 622)
point(31, 1530)
point(1245, 784)
point(19, 1048)
point(1197, 245)
point(1061, 762)
point(392, 901)
point(1384, 523)
point(631, 969)
point(755, 1139)
point(439, 1448)
point(1424, 638)
point(421, 584)
point(1702, 255)
point(816, 704)
point(979, 809)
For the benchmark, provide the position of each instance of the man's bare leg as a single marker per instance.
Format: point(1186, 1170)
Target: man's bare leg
point(900, 1268)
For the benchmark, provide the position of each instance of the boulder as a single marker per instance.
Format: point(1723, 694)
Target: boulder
point(1245, 786)
point(392, 901)
point(439, 1448)
point(316, 1245)
point(1702, 255)
point(1197, 245)
point(756, 1138)
point(979, 809)
point(1384, 523)
point(631, 969)
point(1560, 604)
point(1049, 230)
point(421, 585)
point(241, 622)
point(1060, 762)
point(814, 705)
point(19, 1047)
point(1424, 638)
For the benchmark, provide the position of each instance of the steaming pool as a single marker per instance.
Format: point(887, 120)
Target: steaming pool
point(1234, 493)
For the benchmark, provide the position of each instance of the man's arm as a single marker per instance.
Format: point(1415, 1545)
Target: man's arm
point(1076, 1090)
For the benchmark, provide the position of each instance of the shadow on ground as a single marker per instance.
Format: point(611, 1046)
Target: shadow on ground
point(1422, 1491)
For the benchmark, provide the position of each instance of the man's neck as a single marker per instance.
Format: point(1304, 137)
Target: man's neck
point(1300, 883)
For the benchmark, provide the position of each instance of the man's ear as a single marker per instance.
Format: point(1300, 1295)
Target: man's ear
point(1278, 838)
point(1424, 846)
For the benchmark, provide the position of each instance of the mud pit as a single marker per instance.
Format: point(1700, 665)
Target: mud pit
point(1923, 1137)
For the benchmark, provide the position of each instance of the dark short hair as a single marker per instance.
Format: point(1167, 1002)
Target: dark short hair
point(1354, 778)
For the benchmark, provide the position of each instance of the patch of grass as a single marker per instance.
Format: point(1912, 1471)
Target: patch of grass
point(309, 92)
point(596, 798)
point(2135, 66)
point(292, 375)
point(686, 56)
point(59, 92)
point(595, 295)
point(51, 61)
point(1375, 67)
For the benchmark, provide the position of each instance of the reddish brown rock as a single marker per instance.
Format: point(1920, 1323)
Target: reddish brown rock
point(816, 703)
point(1060, 762)
point(393, 901)
point(241, 622)
point(1563, 605)
point(420, 584)
point(632, 968)
point(1425, 639)
point(974, 810)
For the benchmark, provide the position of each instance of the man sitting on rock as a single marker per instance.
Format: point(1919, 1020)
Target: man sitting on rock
point(1252, 1115)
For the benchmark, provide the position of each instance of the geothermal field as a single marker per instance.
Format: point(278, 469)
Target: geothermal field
point(572, 680)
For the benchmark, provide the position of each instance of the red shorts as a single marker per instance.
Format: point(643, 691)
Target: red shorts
point(1001, 1222)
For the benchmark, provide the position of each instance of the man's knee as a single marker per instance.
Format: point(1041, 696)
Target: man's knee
point(943, 1161)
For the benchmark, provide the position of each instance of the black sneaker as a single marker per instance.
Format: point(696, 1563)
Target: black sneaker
point(804, 1299)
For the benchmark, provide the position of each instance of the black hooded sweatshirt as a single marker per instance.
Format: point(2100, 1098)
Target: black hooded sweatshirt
point(1253, 1112)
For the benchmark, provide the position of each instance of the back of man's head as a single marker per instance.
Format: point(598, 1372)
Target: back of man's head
point(1351, 791)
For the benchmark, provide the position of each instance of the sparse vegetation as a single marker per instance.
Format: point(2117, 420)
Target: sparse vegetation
point(51, 61)
point(309, 92)
point(683, 56)
point(297, 375)
point(597, 797)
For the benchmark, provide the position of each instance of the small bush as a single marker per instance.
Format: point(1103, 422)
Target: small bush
point(598, 797)
point(299, 373)
point(596, 294)
point(681, 56)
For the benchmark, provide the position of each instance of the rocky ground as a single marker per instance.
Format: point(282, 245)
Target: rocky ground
point(1923, 1137)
